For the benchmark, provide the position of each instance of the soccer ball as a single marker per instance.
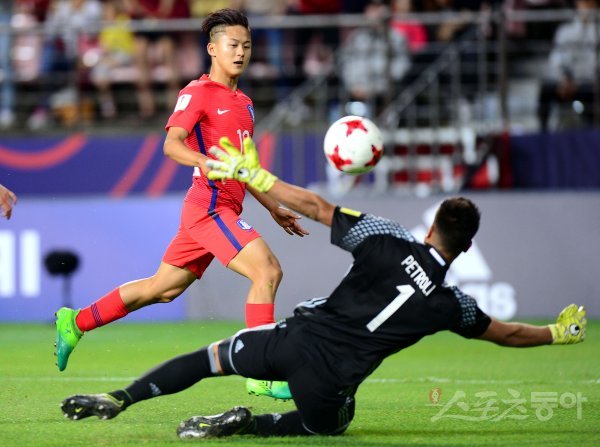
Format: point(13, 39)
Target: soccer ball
point(353, 145)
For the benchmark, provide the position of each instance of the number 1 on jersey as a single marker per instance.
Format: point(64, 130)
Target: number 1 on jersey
point(405, 293)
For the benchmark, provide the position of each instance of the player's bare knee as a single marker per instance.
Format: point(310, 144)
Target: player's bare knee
point(275, 270)
point(277, 273)
point(268, 274)
point(272, 275)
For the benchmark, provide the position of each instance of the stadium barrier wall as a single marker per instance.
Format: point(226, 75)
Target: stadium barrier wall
point(80, 164)
point(116, 240)
point(534, 254)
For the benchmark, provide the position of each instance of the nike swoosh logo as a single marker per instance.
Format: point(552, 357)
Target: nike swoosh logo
point(221, 112)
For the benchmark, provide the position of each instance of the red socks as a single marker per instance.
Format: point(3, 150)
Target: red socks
point(259, 314)
point(111, 307)
point(107, 309)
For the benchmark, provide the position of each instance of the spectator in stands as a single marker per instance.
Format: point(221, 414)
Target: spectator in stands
point(66, 26)
point(25, 48)
point(38, 8)
point(543, 30)
point(313, 47)
point(7, 93)
point(366, 66)
point(267, 43)
point(162, 43)
point(117, 48)
point(572, 66)
point(414, 31)
point(463, 26)
point(449, 30)
point(201, 8)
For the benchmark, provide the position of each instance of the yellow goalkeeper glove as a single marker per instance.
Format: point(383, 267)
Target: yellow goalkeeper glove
point(232, 164)
point(570, 326)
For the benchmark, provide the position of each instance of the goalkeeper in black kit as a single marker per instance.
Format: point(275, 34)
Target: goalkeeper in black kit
point(392, 297)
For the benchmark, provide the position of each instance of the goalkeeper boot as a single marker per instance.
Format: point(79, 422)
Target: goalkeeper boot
point(67, 335)
point(269, 388)
point(232, 422)
point(82, 406)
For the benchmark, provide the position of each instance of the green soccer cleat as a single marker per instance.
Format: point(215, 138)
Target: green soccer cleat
point(229, 423)
point(67, 335)
point(82, 406)
point(269, 388)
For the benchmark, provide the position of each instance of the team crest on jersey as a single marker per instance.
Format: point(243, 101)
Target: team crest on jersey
point(251, 110)
point(244, 225)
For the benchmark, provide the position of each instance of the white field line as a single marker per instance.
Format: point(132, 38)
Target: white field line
point(373, 381)
point(473, 381)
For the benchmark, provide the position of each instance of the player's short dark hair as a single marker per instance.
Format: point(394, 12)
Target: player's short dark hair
point(218, 20)
point(457, 221)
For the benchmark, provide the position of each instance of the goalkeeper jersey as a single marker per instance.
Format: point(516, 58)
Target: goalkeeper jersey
point(393, 295)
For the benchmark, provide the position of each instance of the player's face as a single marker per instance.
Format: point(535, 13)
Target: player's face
point(231, 51)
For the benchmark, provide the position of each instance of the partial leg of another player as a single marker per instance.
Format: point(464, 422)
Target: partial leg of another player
point(162, 287)
point(257, 262)
point(180, 373)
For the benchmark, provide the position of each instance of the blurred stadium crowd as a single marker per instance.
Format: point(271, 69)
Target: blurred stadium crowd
point(119, 63)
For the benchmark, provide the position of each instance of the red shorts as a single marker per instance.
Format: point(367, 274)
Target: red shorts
point(202, 236)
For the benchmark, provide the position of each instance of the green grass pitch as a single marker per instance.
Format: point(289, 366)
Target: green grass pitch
point(488, 396)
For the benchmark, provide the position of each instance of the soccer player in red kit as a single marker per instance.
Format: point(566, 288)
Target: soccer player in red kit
point(207, 109)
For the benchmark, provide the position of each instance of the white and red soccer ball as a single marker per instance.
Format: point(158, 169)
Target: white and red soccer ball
point(353, 145)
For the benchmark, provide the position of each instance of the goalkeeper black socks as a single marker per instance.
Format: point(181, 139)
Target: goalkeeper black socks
point(171, 377)
point(122, 396)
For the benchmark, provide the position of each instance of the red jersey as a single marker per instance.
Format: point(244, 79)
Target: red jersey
point(209, 110)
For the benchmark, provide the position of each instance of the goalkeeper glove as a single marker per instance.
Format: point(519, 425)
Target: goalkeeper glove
point(232, 164)
point(570, 326)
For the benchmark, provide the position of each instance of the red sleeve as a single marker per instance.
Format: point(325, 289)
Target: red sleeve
point(188, 110)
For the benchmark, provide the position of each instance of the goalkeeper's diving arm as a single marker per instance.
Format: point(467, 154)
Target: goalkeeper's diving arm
point(568, 329)
point(303, 201)
point(516, 334)
point(233, 164)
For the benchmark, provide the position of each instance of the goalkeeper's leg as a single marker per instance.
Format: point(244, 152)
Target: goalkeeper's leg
point(322, 409)
point(320, 412)
point(240, 421)
point(171, 377)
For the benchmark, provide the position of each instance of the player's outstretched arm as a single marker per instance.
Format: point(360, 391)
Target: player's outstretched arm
point(7, 200)
point(176, 149)
point(246, 168)
point(568, 329)
point(286, 219)
point(517, 334)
